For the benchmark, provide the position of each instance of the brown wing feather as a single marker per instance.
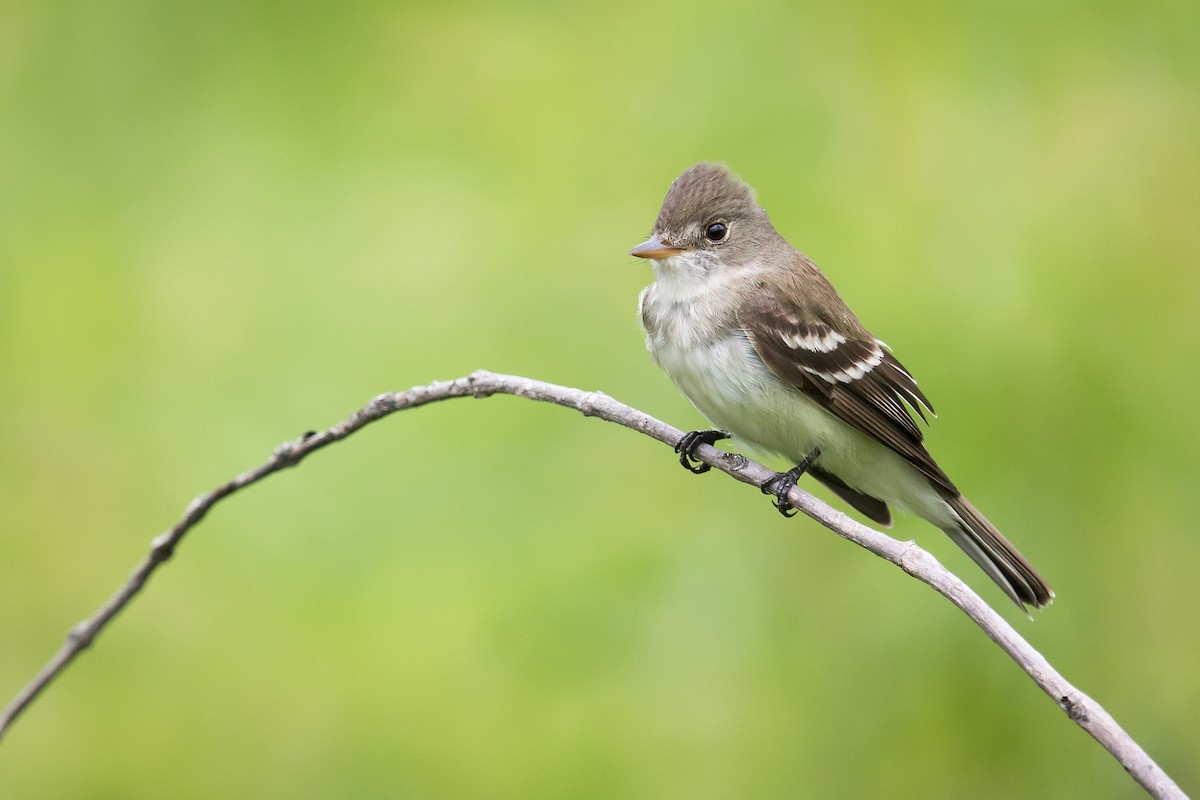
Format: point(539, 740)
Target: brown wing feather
point(848, 373)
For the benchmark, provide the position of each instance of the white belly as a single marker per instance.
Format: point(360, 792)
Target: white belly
point(737, 392)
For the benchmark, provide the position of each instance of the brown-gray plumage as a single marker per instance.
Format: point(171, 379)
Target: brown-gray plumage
point(756, 336)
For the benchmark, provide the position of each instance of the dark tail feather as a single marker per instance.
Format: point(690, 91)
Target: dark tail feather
point(998, 558)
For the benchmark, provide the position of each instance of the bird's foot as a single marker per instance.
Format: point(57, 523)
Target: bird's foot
point(690, 441)
point(782, 482)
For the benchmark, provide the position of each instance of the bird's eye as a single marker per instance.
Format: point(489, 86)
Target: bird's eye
point(716, 231)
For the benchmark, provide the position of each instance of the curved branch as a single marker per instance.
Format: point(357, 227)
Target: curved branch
point(1084, 711)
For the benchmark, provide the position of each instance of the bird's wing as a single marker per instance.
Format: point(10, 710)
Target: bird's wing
point(851, 375)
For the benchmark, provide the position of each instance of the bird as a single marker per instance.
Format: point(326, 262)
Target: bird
point(751, 331)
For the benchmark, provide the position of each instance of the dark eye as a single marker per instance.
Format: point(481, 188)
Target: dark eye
point(716, 231)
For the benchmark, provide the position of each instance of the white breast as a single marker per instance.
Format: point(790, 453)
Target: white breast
point(692, 333)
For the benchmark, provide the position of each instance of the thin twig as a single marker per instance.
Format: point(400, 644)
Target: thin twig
point(1084, 711)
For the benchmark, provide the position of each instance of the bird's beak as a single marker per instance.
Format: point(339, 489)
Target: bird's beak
point(655, 247)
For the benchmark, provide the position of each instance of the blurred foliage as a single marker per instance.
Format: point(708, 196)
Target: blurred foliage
point(223, 224)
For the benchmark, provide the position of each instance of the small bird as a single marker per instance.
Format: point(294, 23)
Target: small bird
point(751, 331)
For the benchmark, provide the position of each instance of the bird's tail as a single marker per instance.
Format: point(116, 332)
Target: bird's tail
point(988, 548)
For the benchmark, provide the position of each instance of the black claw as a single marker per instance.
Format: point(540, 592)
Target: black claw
point(689, 442)
point(787, 509)
point(782, 482)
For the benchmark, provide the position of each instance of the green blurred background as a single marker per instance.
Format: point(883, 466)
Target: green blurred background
point(224, 224)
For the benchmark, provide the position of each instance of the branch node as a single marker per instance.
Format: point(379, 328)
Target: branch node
point(481, 376)
point(913, 558)
point(589, 402)
point(289, 454)
point(1075, 707)
point(81, 635)
point(162, 547)
point(382, 404)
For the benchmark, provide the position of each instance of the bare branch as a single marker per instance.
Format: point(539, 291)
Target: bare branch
point(1084, 711)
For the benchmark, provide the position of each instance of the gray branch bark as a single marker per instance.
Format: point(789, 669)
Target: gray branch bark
point(1083, 710)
